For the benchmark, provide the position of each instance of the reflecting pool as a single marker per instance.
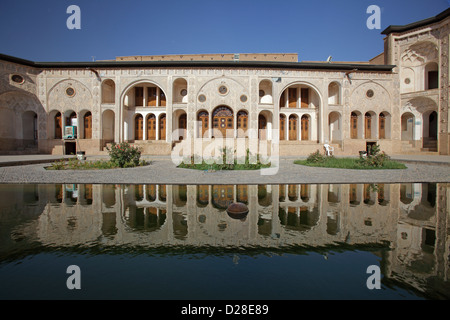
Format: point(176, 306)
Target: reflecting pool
point(179, 241)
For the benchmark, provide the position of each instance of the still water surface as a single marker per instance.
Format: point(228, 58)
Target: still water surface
point(179, 242)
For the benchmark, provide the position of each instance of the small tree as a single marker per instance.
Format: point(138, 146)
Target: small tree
point(124, 155)
point(316, 157)
point(374, 157)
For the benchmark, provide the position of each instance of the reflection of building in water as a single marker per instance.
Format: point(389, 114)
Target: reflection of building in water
point(411, 220)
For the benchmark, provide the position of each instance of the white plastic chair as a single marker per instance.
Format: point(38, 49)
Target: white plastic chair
point(328, 149)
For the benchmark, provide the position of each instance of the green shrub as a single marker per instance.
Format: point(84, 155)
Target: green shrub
point(316, 157)
point(225, 163)
point(124, 155)
point(58, 165)
point(374, 158)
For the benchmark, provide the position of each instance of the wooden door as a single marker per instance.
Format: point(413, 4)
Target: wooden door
point(368, 126)
point(139, 192)
point(292, 128)
point(262, 126)
point(380, 192)
point(203, 194)
point(283, 100)
point(162, 98)
point(138, 128)
point(162, 192)
point(305, 128)
point(203, 123)
point(282, 192)
point(151, 102)
point(151, 127)
point(222, 196)
point(151, 192)
point(88, 193)
point(242, 193)
point(222, 121)
point(282, 127)
point(382, 127)
point(139, 96)
point(304, 192)
point(293, 97)
point(354, 126)
point(58, 126)
point(293, 192)
point(242, 118)
point(162, 127)
point(88, 125)
point(304, 97)
point(353, 194)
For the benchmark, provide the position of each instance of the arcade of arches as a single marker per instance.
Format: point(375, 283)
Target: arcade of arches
point(398, 100)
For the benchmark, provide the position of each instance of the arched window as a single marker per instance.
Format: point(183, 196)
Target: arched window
point(162, 127)
point(242, 123)
point(87, 125)
point(222, 196)
point(382, 126)
point(293, 127)
point(305, 127)
point(368, 125)
point(222, 121)
point(203, 119)
point(151, 127)
point(138, 127)
point(203, 195)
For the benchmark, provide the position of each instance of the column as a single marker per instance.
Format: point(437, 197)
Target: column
point(157, 125)
point(145, 98)
point(144, 127)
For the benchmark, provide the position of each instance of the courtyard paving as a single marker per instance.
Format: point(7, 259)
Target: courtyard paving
point(31, 169)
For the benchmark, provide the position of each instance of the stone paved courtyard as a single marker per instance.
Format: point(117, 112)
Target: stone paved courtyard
point(163, 171)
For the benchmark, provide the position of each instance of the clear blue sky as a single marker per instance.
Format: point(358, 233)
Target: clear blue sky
point(315, 29)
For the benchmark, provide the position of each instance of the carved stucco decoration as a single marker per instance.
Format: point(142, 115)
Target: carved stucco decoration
point(420, 53)
point(420, 105)
point(379, 102)
point(214, 98)
point(59, 100)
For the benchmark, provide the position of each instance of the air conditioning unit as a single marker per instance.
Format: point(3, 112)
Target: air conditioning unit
point(70, 132)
